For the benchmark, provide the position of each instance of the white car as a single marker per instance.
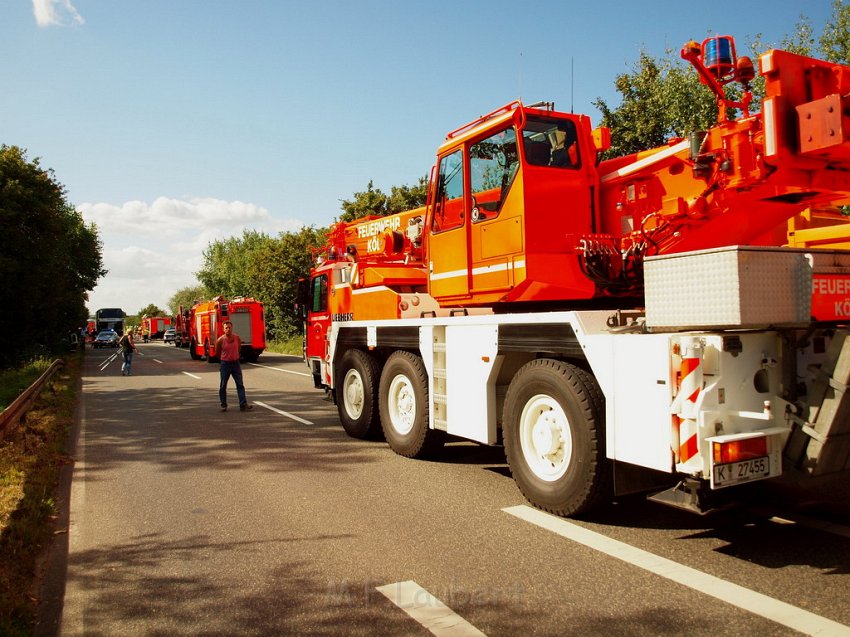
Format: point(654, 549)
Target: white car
point(169, 336)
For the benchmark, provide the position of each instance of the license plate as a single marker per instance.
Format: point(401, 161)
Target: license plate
point(734, 472)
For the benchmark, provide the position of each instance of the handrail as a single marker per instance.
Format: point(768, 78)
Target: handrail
point(22, 403)
point(516, 104)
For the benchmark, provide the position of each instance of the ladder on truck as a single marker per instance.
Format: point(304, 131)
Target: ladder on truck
point(819, 443)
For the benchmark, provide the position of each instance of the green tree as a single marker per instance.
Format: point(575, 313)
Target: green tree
point(369, 202)
point(276, 271)
point(373, 201)
point(660, 99)
point(187, 297)
point(150, 310)
point(403, 198)
point(835, 39)
point(49, 259)
point(226, 264)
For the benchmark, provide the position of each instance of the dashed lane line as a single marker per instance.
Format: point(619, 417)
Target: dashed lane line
point(279, 369)
point(286, 414)
point(777, 611)
point(429, 611)
point(282, 413)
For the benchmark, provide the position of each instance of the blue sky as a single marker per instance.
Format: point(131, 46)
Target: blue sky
point(173, 123)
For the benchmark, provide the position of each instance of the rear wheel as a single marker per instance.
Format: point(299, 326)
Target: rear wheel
point(553, 428)
point(403, 398)
point(193, 350)
point(357, 394)
point(208, 353)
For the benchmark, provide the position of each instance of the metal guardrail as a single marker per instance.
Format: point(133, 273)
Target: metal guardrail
point(22, 403)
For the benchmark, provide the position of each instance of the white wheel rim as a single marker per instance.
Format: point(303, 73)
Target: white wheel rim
point(401, 404)
point(353, 394)
point(544, 435)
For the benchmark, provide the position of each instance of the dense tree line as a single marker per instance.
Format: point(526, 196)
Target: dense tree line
point(49, 260)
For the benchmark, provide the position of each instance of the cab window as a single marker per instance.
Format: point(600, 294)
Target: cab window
point(550, 142)
point(319, 294)
point(493, 165)
point(448, 208)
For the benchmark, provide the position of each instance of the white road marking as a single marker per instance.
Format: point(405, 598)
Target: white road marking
point(278, 369)
point(105, 363)
point(777, 611)
point(156, 360)
point(282, 413)
point(428, 610)
point(192, 375)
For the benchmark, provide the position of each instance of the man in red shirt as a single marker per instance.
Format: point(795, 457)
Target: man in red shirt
point(227, 349)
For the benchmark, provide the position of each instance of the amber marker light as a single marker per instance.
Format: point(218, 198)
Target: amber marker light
point(737, 450)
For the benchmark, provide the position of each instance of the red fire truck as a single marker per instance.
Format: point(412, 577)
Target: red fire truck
point(153, 327)
point(205, 326)
point(181, 323)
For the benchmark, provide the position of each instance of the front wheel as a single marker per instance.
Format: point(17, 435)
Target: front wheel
point(193, 350)
point(403, 398)
point(553, 428)
point(357, 394)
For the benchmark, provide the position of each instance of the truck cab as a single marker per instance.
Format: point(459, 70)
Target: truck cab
point(514, 192)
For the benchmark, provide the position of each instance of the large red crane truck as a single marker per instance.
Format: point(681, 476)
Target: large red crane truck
point(608, 321)
point(207, 318)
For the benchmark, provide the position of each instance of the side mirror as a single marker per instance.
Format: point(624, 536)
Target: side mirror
point(601, 138)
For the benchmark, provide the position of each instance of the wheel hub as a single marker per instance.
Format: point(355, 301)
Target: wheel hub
point(546, 435)
point(353, 394)
point(402, 404)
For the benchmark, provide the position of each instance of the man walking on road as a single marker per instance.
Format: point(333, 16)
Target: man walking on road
point(227, 349)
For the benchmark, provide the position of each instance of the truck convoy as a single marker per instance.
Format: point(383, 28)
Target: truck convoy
point(609, 321)
point(205, 322)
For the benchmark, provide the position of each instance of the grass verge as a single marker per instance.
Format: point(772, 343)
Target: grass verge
point(15, 381)
point(31, 457)
point(293, 346)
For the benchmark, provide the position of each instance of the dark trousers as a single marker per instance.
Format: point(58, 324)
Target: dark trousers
point(228, 369)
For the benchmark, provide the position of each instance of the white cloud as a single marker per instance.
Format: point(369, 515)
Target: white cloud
point(55, 12)
point(153, 250)
point(173, 216)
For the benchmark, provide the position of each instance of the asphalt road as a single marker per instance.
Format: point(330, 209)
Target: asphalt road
point(188, 521)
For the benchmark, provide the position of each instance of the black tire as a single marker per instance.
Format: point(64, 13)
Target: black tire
point(356, 390)
point(193, 350)
point(553, 429)
point(403, 397)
